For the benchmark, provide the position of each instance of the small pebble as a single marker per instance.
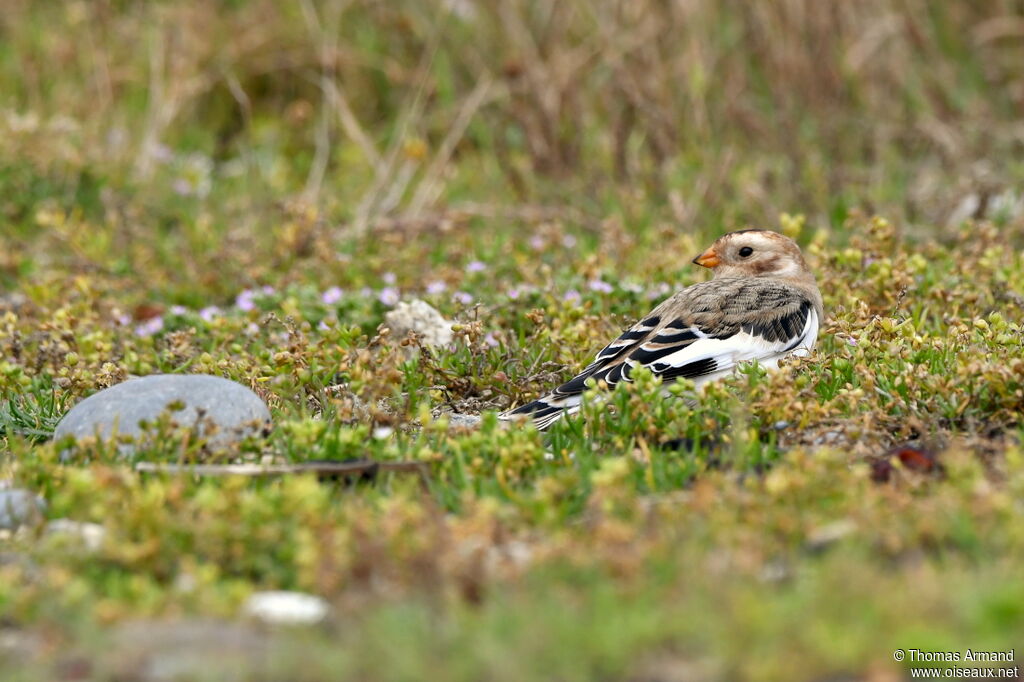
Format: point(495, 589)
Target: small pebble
point(422, 318)
point(18, 507)
point(286, 608)
point(91, 535)
point(830, 533)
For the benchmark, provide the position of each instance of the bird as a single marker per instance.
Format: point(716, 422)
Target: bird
point(762, 304)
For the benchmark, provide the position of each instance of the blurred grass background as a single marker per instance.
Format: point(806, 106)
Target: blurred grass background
point(710, 115)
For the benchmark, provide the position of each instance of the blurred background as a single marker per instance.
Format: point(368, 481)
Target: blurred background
point(206, 140)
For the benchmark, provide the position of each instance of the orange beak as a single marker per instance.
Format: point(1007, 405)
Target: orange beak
point(708, 259)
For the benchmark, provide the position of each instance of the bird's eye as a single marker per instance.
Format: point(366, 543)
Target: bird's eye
point(746, 251)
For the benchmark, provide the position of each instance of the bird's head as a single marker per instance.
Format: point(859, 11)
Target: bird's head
point(754, 253)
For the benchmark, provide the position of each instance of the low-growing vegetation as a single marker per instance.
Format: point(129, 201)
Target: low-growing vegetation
point(246, 188)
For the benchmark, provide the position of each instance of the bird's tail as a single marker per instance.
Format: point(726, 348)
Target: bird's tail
point(544, 411)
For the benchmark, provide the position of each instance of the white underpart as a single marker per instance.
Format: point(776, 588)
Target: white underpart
point(740, 348)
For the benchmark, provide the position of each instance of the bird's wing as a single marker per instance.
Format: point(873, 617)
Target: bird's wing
point(707, 329)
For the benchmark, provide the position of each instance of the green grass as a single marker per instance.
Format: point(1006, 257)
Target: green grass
point(182, 186)
point(32, 412)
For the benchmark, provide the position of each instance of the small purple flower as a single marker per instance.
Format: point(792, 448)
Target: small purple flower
point(389, 278)
point(600, 285)
point(476, 266)
point(436, 287)
point(332, 295)
point(514, 293)
point(161, 153)
point(658, 291)
point(268, 290)
point(462, 297)
point(123, 319)
point(568, 241)
point(389, 296)
point(178, 310)
point(252, 329)
point(365, 292)
point(850, 341)
point(537, 242)
point(194, 176)
point(572, 296)
point(246, 300)
point(150, 326)
point(490, 340)
point(182, 187)
point(322, 326)
point(209, 312)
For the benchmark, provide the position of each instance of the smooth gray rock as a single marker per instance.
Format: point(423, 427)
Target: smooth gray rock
point(465, 421)
point(18, 507)
point(229, 411)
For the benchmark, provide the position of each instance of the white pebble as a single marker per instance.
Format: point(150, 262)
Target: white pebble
point(90, 534)
point(286, 608)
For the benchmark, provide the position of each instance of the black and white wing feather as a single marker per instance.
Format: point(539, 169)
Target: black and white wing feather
point(702, 333)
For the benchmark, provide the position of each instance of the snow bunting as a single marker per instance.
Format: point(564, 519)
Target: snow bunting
point(761, 304)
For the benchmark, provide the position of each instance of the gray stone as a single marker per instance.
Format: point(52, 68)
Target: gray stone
point(420, 317)
point(13, 301)
point(222, 411)
point(18, 507)
point(463, 421)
